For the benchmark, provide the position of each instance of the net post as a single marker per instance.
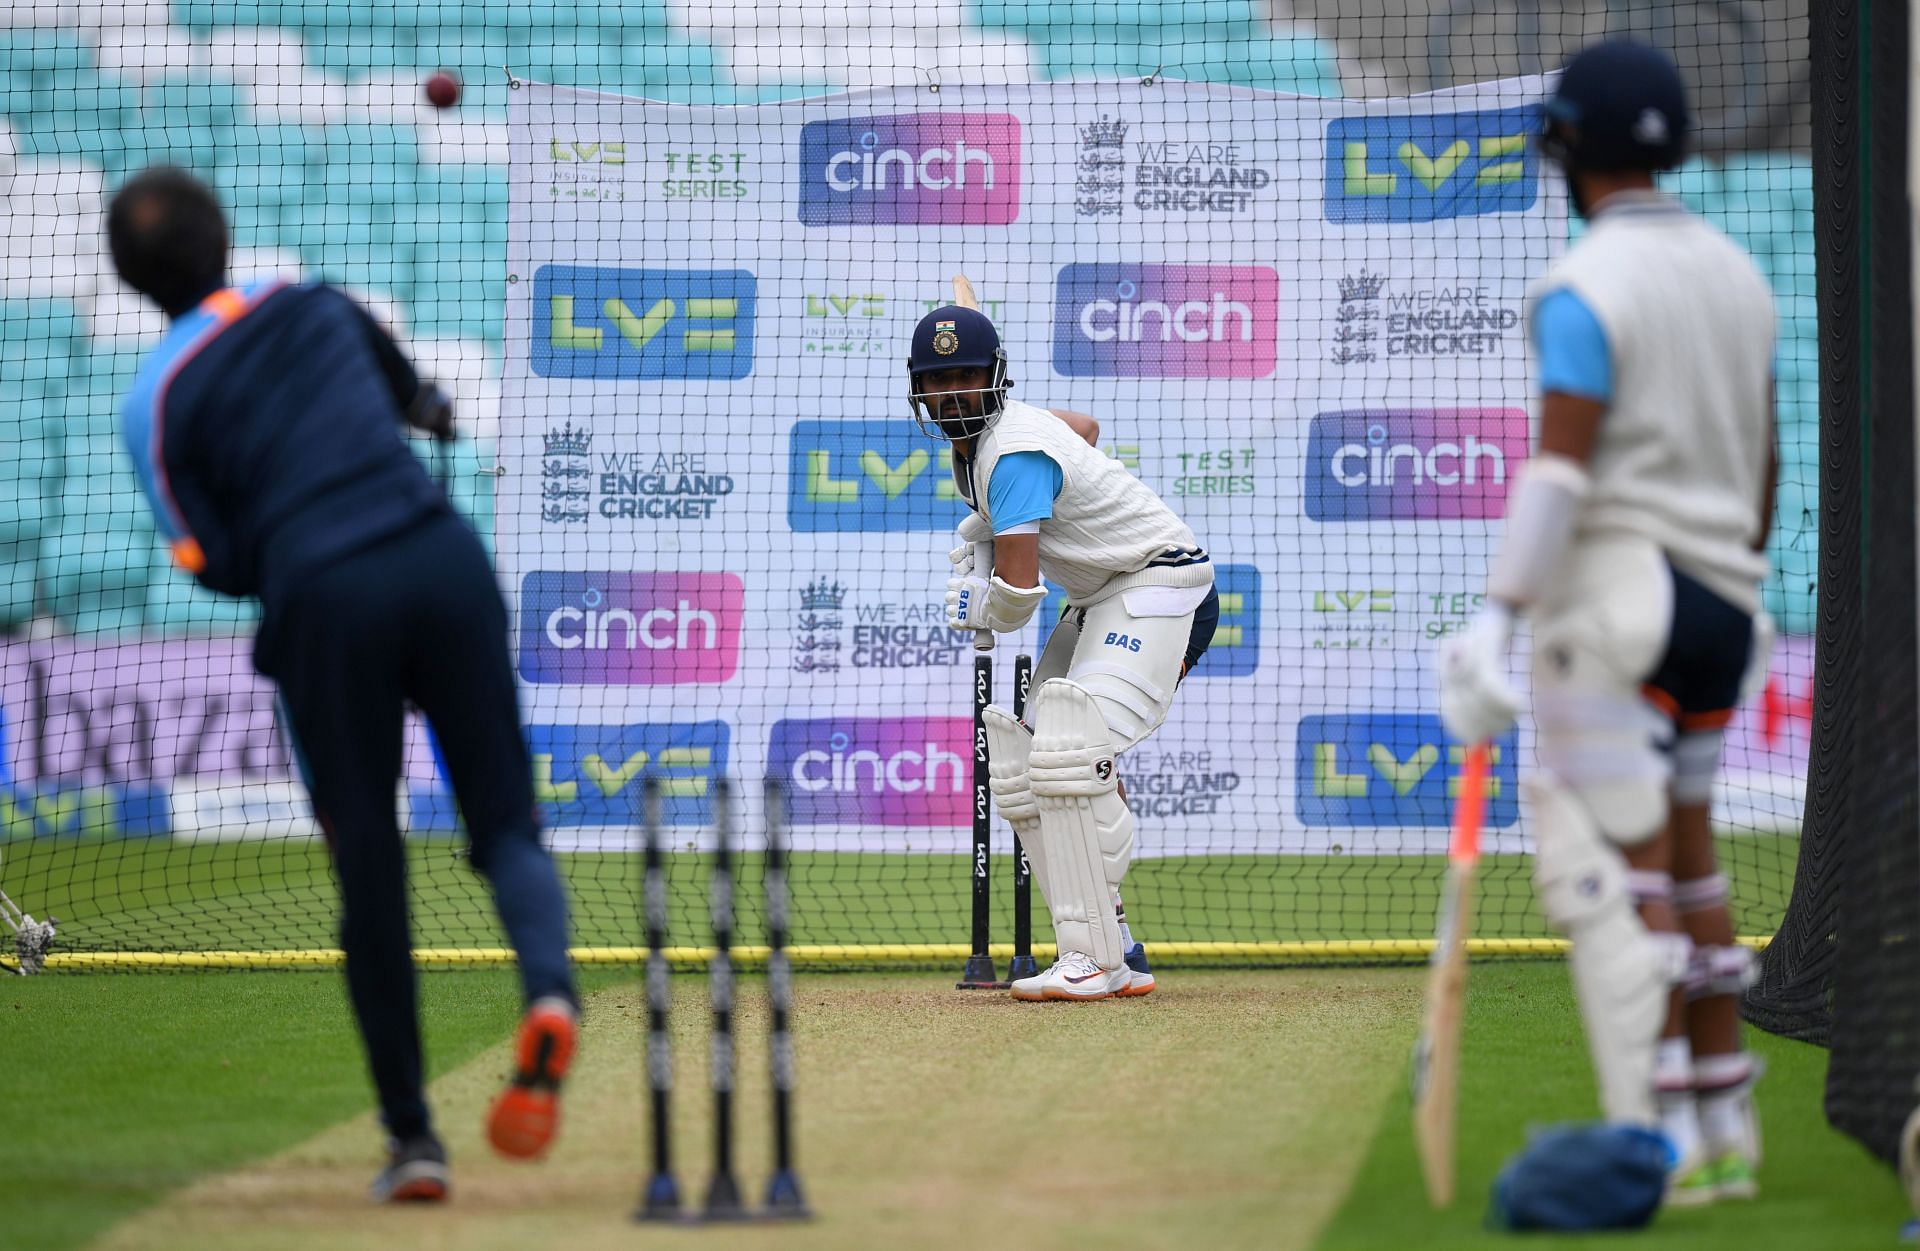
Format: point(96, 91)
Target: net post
point(723, 1190)
point(1023, 965)
point(661, 1201)
point(785, 1199)
point(980, 973)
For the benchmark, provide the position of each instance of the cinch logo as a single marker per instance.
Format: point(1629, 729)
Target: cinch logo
point(869, 475)
point(593, 774)
point(1421, 168)
point(949, 169)
point(1425, 464)
point(875, 770)
point(1166, 321)
point(1235, 650)
point(629, 629)
point(642, 323)
point(1393, 769)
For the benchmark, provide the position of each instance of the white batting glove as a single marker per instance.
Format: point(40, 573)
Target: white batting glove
point(1760, 659)
point(967, 596)
point(972, 559)
point(1477, 702)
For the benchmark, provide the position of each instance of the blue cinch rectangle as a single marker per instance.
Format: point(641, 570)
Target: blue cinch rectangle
point(1422, 167)
point(1387, 769)
point(869, 475)
point(595, 322)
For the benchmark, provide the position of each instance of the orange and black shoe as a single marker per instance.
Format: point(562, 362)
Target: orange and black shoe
point(527, 1112)
point(416, 1172)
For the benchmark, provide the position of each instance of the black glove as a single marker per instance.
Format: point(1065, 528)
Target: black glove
point(431, 412)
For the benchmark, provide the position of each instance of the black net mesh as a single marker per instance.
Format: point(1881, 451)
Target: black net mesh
point(1841, 970)
point(1235, 231)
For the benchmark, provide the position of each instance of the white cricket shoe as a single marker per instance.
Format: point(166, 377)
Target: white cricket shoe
point(1073, 976)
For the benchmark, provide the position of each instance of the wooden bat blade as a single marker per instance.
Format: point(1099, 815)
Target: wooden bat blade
point(963, 292)
point(1436, 1056)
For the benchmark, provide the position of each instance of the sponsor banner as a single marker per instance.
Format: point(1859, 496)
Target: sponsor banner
point(884, 771)
point(910, 169)
point(593, 774)
point(869, 475)
point(1299, 321)
point(629, 629)
point(1166, 321)
point(1423, 167)
point(598, 322)
point(1419, 464)
point(1387, 769)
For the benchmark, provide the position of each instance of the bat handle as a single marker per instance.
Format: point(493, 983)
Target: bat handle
point(983, 640)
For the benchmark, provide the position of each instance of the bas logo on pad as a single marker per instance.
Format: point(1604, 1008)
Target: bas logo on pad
point(906, 169)
point(1424, 167)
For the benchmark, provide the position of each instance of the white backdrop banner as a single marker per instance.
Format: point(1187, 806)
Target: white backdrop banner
point(1298, 320)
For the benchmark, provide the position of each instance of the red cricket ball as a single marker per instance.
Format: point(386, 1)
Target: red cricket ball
point(443, 89)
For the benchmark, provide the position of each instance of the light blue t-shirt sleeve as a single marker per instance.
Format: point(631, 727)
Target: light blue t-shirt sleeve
point(1571, 347)
point(1023, 489)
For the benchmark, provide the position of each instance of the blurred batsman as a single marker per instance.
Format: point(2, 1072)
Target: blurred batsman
point(265, 431)
point(1636, 538)
point(1141, 610)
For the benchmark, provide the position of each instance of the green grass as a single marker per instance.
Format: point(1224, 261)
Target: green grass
point(119, 1089)
point(163, 895)
point(1525, 1063)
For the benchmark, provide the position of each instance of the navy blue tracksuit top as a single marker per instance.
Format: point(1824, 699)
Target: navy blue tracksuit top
point(265, 430)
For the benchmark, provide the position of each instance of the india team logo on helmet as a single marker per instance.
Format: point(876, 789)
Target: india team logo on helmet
point(945, 340)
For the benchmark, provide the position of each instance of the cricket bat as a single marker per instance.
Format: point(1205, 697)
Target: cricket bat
point(963, 296)
point(1436, 1056)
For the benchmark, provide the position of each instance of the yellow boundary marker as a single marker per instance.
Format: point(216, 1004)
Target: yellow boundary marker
point(898, 955)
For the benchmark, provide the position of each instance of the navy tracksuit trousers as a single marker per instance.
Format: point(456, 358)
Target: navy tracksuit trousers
point(418, 617)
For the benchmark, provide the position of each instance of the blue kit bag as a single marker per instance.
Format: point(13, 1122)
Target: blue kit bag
point(1582, 1177)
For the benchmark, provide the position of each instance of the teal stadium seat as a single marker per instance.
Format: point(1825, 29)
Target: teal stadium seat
point(1064, 59)
point(1026, 16)
point(1304, 65)
point(98, 568)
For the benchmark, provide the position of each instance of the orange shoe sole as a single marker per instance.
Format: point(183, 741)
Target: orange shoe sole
point(1061, 996)
point(419, 1190)
point(1134, 992)
point(525, 1116)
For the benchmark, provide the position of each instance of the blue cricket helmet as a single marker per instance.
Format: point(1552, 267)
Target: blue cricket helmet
point(952, 337)
point(1620, 104)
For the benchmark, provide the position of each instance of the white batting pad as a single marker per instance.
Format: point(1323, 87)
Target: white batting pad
point(1085, 830)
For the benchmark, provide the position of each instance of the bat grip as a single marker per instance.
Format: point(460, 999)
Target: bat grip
point(983, 640)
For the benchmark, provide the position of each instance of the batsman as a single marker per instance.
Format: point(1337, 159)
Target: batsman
point(1141, 609)
point(1636, 538)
